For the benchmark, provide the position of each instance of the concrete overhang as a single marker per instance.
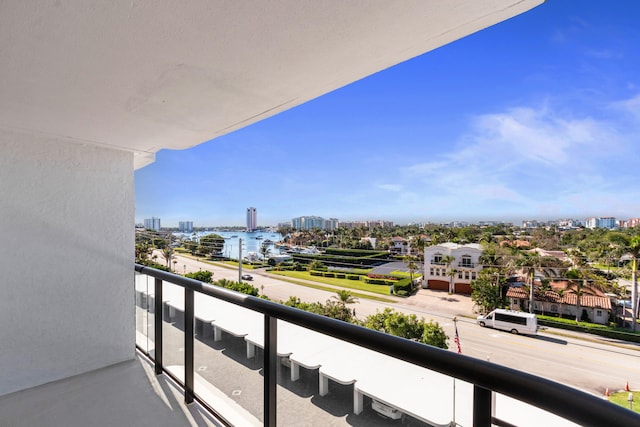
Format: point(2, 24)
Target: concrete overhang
point(146, 75)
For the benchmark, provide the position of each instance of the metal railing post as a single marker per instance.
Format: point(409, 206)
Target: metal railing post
point(270, 369)
point(188, 344)
point(157, 326)
point(482, 408)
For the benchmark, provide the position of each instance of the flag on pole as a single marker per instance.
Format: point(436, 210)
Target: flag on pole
point(456, 339)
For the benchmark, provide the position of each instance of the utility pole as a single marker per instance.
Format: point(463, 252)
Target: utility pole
point(240, 260)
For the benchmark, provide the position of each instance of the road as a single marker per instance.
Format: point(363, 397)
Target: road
point(577, 360)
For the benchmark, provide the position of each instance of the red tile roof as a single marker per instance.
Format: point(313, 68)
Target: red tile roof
point(568, 298)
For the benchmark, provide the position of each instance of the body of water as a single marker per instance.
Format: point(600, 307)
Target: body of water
point(251, 242)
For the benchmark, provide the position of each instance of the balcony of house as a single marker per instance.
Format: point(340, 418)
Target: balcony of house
point(467, 265)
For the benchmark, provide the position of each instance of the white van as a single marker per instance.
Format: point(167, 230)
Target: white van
point(516, 322)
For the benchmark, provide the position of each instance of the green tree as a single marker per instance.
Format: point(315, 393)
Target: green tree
point(407, 326)
point(577, 287)
point(201, 276)
point(412, 266)
point(631, 245)
point(345, 297)
point(317, 265)
point(265, 251)
point(560, 293)
point(211, 245)
point(448, 260)
point(529, 262)
point(485, 292)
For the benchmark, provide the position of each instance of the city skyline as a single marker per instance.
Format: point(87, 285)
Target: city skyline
point(534, 118)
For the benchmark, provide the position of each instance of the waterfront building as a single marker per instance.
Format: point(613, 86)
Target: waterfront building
point(252, 219)
point(185, 226)
point(311, 222)
point(152, 223)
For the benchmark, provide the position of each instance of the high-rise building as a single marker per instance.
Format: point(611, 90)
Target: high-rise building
point(185, 226)
point(252, 219)
point(152, 223)
point(311, 222)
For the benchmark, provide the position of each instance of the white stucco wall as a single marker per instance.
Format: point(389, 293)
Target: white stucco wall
point(66, 266)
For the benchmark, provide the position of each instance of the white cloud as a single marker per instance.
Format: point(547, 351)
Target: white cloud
point(390, 187)
point(534, 160)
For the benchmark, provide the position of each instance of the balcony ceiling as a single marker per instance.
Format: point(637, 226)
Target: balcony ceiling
point(147, 75)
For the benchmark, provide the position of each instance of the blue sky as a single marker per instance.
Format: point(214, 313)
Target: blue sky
point(537, 117)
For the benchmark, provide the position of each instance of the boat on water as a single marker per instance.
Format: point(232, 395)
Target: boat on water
point(268, 241)
point(234, 236)
point(258, 237)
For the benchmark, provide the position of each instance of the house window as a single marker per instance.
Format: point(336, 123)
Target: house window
point(514, 301)
point(437, 259)
point(554, 308)
point(431, 271)
point(466, 261)
point(437, 271)
point(473, 275)
point(466, 275)
point(598, 313)
point(459, 274)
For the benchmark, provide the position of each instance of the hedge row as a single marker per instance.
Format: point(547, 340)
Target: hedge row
point(591, 328)
point(359, 253)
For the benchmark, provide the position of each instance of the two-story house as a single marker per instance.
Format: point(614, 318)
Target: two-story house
point(451, 267)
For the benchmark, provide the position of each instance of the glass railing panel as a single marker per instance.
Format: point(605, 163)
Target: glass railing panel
point(333, 382)
point(173, 329)
point(522, 414)
point(144, 316)
point(228, 360)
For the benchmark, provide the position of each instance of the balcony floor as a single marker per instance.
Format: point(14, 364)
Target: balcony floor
point(126, 394)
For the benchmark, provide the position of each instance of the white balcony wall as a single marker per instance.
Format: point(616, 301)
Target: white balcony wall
point(66, 221)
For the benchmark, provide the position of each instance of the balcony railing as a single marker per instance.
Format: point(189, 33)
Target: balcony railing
point(487, 380)
point(466, 264)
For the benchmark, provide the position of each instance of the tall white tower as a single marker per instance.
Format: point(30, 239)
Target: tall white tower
point(252, 219)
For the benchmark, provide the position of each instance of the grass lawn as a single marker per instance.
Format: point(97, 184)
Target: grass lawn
point(343, 283)
point(620, 398)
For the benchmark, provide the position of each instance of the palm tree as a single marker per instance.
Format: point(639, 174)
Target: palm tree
point(344, 297)
point(167, 253)
point(577, 287)
point(632, 246)
point(265, 251)
point(560, 293)
point(448, 260)
point(529, 262)
point(412, 266)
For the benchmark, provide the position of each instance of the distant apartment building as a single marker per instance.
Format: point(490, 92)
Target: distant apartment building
point(451, 267)
point(185, 226)
point(601, 222)
point(152, 223)
point(367, 224)
point(530, 223)
point(567, 224)
point(252, 219)
point(488, 223)
point(633, 222)
point(311, 222)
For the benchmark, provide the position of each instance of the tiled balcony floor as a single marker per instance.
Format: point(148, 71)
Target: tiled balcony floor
point(126, 394)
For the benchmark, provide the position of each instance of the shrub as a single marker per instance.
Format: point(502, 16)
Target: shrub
point(376, 281)
point(329, 275)
point(353, 277)
point(340, 275)
point(316, 273)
